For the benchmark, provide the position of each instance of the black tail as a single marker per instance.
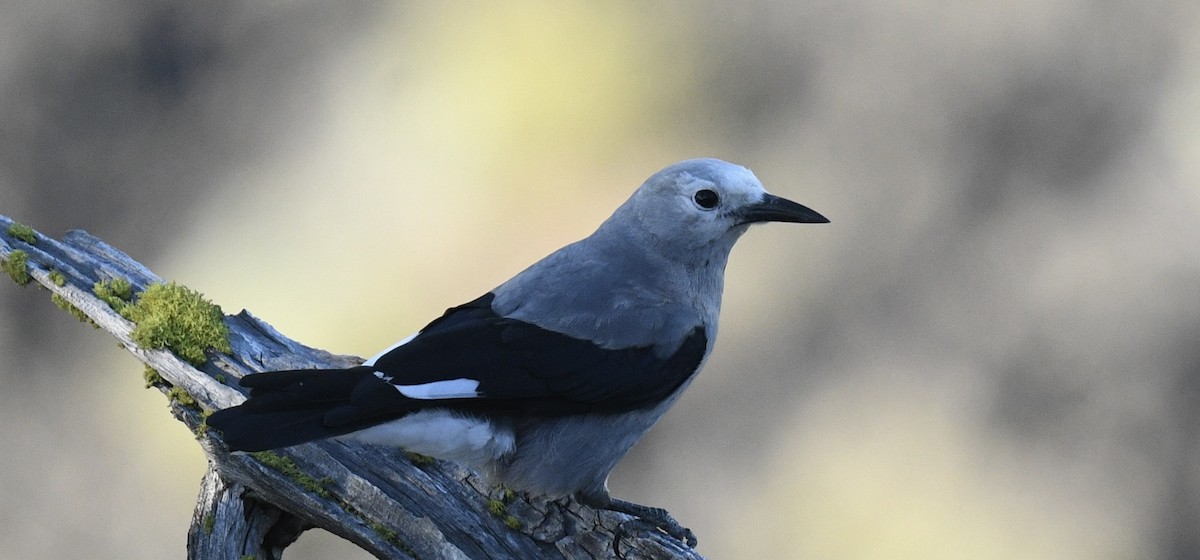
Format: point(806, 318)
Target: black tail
point(289, 408)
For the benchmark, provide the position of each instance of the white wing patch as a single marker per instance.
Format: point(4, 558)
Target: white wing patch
point(462, 388)
point(376, 357)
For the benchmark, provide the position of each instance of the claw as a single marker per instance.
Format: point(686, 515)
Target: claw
point(622, 532)
point(650, 519)
point(629, 526)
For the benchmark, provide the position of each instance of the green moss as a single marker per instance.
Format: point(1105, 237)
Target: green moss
point(496, 507)
point(419, 459)
point(16, 267)
point(210, 521)
point(499, 509)
point(179, 319)
point(290, 469)
point(382, 530)
point(22, 232)
point(202, 428)
point(57, 278)
point(65, 305)
point(152, 377)
point(387, 534)
point(117, 293)
point(184, 398)
point(248, 557)
point(320, 487)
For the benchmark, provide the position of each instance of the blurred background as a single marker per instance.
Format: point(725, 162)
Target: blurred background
point(993, 351)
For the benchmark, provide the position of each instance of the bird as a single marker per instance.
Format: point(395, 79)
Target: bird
point(545, 382)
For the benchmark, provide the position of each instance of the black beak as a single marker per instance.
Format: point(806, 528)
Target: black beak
point(778, 209)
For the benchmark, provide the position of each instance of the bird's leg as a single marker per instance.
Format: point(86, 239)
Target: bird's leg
point(655, 517)
point(651, 517)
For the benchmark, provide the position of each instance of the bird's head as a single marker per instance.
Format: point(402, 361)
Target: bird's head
point(701, 204)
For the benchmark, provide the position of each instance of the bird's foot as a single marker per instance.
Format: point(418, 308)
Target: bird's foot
point(648, 518)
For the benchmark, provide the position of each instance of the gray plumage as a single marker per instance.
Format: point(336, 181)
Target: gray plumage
point(563, 367)
point(649, 274)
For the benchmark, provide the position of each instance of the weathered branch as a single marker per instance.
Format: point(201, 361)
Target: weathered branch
point(378, 498)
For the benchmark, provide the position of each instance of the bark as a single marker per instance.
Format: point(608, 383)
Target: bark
point(382, 499)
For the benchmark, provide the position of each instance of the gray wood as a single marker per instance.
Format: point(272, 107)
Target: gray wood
point(377, 498)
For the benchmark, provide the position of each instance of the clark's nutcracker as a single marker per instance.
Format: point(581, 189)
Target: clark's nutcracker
point(545, 382)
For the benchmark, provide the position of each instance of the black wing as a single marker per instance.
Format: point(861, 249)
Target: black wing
point(522, 367)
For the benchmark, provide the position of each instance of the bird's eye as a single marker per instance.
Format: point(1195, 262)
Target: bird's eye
point(707, 199)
